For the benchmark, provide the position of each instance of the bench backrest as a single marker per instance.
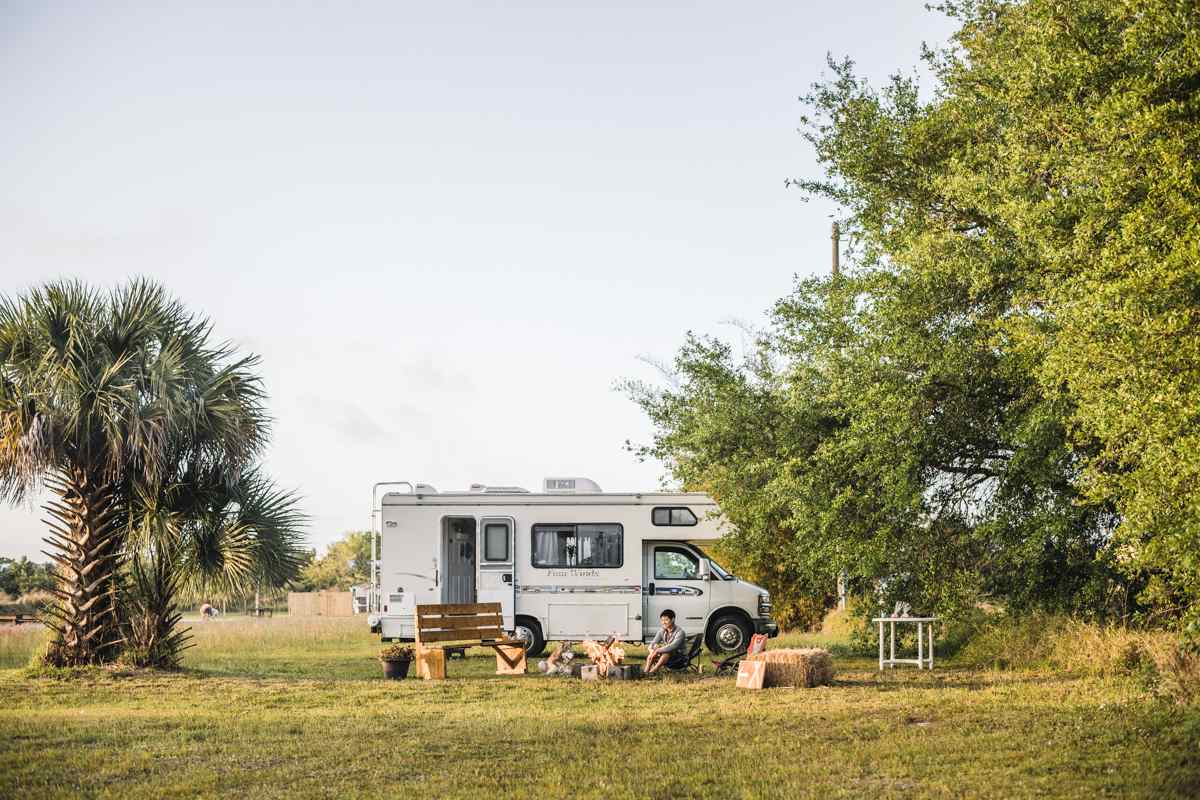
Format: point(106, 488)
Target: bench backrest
point(460, 622)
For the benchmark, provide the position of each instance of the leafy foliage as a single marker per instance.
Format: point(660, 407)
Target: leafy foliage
point(1000, 400)
point(396, 652)
point(203, 537)
point(18, 576)
point(346, 563)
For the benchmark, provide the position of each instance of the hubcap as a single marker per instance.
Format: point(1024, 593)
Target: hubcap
point(729, 637)
point(525, 635)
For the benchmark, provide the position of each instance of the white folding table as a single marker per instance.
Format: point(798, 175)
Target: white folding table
point(924, 659)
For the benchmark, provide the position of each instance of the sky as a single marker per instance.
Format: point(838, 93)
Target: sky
point(449, 229)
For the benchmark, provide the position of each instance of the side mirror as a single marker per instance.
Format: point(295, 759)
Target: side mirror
point(705, 573)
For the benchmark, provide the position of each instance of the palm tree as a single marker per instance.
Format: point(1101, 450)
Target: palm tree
point(203, 536)
point(99, 393)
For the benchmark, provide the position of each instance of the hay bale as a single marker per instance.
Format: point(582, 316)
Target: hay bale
point(809, 666)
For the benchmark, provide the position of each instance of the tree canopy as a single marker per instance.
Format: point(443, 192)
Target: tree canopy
point(20, 575)
point(1000, 399)
point(346, 563)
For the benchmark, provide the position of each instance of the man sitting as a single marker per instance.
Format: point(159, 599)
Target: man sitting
point(667, 647)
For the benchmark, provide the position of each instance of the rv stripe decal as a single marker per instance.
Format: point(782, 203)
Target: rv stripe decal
point(685, 590)
point(559, 589)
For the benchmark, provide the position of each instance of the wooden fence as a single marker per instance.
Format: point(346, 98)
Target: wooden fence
point(320, 604)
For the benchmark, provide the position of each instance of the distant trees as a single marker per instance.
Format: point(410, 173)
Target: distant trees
point(20, 576)
point(346, 563)
point(145, 432)
point(1000, 397)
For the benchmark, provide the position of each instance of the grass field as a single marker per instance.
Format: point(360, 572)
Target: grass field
point(296, 708)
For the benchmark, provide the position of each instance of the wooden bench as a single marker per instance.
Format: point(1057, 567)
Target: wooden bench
point(454, 626)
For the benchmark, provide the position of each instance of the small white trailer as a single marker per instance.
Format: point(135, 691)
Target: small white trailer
point(567, 563)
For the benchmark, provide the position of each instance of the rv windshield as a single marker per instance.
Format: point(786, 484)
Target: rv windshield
point(717, 569)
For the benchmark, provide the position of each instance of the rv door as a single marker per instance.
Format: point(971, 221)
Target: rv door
point(674, 581)
point(496, 574)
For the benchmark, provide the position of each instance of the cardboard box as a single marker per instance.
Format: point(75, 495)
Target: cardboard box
point(750, 674)
point(590, 673)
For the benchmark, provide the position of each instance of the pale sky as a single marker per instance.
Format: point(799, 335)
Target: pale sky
point(448, 228)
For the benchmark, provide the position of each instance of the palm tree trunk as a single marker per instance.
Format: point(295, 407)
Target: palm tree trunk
point(85, 537)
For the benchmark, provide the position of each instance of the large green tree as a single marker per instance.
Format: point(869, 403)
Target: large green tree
point(346, 562)
point(18, 576)
point(1001, 397)
point(100, 392)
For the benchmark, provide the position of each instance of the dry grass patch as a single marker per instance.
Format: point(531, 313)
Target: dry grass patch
point(18, 643)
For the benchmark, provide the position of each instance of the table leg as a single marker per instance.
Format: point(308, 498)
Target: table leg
point(920, 642)
point(893, 637)
point(931, 645)
point(881, 645)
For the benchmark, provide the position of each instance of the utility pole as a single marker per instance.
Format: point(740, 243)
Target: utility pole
point(836, 248)
point(843, 580)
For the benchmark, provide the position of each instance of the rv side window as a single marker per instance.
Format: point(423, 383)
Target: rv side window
point(591, 545)
point(672, 516)
point(675, 564)
point(495, 543)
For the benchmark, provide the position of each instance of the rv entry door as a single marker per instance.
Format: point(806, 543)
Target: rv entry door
point(496, 574)
point(458, 560)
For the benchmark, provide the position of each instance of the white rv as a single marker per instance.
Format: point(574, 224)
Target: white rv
point(568, 563)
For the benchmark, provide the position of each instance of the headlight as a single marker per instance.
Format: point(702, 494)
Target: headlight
point(764, 604)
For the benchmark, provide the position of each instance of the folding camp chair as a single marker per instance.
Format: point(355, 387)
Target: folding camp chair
point(729, 665)
point(685, 662)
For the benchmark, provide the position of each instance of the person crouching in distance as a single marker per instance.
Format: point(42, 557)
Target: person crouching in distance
point(667, 648)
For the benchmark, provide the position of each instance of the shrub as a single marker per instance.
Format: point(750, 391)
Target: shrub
point(1164, 663)
point(1008, 642)
point(842, 623)
point(1177, 668)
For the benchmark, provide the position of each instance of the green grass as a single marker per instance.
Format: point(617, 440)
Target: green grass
point(295, 708)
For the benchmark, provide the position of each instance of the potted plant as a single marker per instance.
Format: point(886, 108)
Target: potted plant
point(396, 660)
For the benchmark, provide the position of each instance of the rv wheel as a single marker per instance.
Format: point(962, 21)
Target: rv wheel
point(530, 632)
point(729, 634)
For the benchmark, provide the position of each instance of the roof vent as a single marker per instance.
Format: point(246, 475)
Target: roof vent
point(571, 486)
point(483, 488)
point(425, 488)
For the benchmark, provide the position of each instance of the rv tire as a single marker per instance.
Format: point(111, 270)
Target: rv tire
point(728, 633)
point(527, 628)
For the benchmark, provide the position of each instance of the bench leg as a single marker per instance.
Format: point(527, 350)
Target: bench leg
point(431, 663)
point(510, 659)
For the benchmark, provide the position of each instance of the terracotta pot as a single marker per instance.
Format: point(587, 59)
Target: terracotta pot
point(395, 669)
